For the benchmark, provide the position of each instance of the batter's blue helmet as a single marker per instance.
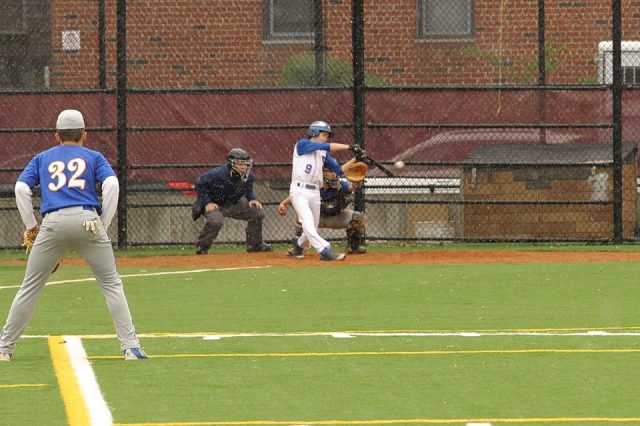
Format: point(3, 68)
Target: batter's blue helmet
point(319, 126)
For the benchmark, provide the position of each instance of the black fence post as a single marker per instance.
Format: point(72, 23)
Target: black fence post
point(122, 120)
point(318, 42)
point(357, 37)
point(102, 55)
point(616, 37)
point(542, 71)
point(542, 75)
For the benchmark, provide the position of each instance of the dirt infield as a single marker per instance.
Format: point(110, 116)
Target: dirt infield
point(279, 258)
point(426, 257)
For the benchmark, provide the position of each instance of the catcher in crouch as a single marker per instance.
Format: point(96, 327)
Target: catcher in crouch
point(335, 195)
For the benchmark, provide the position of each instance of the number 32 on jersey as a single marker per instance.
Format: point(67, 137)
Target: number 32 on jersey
point(59, 178)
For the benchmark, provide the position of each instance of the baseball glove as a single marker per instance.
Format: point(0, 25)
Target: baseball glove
point(357, 172)
point(29, 237)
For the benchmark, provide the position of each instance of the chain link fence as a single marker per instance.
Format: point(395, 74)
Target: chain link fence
point(504, 113)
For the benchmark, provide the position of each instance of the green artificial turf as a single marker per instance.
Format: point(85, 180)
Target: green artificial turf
point(292, 370)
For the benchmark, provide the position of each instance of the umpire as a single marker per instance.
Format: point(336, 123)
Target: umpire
point(220, 192)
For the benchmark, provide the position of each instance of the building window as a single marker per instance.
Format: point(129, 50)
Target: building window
point(631, 75)
point(12, 17)
point(445, 19)
point(288, 19)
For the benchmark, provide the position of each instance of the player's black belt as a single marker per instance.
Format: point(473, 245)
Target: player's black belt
point(306, 185)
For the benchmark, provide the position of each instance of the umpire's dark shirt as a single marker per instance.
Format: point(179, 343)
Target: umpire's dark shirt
point(216, 186)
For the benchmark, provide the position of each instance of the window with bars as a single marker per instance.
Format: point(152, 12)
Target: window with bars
point(450, 19)
point(288, 19)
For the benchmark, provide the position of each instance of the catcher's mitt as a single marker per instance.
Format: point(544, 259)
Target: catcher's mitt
point(357, 172)
point(29, 237)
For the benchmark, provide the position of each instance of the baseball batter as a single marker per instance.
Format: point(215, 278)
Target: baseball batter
point(335, 196)
point(73, 218)
point(310, 156)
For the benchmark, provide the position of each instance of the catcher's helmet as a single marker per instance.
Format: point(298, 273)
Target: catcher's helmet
point(319, 126)
point(330, 177)
point(239, 156)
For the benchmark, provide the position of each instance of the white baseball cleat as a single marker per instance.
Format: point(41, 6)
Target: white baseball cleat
point(5, 357)
point(133, 354)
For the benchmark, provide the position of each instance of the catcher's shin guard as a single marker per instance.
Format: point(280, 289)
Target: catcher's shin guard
point(355, 234)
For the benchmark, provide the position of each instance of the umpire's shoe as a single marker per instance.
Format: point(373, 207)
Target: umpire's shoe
point(296, 251)
point(262, 247)
point(329, 254)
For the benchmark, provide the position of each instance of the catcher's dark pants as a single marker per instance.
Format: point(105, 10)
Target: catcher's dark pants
point(241, 211)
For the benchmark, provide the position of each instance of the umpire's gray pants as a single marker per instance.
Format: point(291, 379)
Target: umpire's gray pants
point(60, 232)
point(241, 211)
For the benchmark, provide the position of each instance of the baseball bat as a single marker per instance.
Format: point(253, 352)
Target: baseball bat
point(379, 166)
point(361, 156)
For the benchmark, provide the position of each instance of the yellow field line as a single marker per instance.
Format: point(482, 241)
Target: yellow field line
point(389, 353)
point(23, 385)
point(399, 421)
point(74, 404)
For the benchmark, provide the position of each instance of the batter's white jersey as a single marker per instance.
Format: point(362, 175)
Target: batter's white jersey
point(307, 168)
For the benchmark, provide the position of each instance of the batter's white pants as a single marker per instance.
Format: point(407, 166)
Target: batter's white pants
point(306, 202)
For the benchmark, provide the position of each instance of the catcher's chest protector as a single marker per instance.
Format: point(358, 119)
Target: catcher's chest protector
point(334, 206)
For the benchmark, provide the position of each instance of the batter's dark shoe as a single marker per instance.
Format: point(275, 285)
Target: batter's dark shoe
point(329, 254)
point(359, 250)
point(260, 248)
point(296, 251)
point(201, 251)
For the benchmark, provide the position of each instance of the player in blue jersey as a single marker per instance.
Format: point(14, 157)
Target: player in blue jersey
point(220, 194)
point(73, 218)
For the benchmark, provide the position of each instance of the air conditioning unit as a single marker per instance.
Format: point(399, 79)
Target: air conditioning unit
point(630, 62)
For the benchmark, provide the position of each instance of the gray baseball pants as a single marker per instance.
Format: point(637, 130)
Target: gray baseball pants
point(60, 232)
point(241, 211)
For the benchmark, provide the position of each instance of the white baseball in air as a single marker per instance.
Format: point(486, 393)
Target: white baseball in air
point(398, 165)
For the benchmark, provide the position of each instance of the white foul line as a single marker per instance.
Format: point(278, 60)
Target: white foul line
point(152, 274)
point(96, 405)
point(352, 334)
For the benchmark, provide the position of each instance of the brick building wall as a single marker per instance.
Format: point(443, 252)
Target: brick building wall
point(219, 43)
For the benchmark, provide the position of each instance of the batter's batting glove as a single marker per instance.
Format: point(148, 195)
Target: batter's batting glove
point(355, 148)
point(91, 226)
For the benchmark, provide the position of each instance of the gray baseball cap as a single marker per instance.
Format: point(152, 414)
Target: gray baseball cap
point(70, 119)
